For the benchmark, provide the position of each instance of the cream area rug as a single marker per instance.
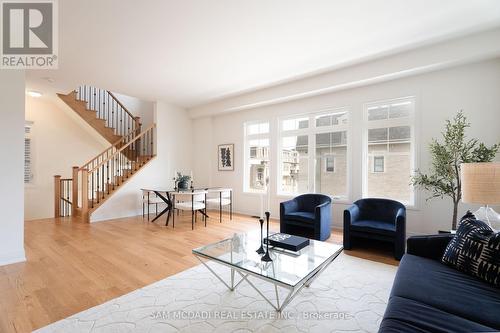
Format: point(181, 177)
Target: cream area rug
point(349, 296)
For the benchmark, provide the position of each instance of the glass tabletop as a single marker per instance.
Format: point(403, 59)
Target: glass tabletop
point(289, 268)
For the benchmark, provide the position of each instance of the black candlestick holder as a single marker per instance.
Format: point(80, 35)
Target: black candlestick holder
point(267, 257)
point(260, 250)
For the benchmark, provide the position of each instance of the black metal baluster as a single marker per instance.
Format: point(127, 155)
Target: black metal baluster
point(103, 184)
point(61, 202)
point(92, 189)
point(112, 172)
point(98, 187)
point(112, 114)
point(107, 108)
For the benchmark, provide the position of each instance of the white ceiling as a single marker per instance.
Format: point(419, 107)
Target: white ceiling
point(190, 52)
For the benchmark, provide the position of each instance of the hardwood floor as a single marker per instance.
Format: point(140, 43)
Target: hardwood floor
point(73, 266)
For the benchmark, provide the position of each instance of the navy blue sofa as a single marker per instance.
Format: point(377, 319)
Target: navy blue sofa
point(380, 219)
point(428, 296)
point(308, 215)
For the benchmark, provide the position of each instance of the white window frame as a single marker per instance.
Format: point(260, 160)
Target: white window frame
point(410, 121)
point(246, 155)
point(311, 132)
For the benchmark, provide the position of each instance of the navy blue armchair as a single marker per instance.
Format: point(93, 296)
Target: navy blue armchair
point(380, 219)
point(308, 215)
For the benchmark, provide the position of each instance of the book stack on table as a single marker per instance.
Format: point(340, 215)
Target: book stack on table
point(287, 242)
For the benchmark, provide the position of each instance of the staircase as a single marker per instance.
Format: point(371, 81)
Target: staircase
point(131, 149)
point(103, 111)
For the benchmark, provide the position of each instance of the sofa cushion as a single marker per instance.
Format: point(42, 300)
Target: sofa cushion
point(407, 315)
point(442, 287)
point(376, 227)
point(306, 217)
point(475, 250)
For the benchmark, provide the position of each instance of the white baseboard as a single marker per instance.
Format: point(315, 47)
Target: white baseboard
point(124, 214)
point(12, 257)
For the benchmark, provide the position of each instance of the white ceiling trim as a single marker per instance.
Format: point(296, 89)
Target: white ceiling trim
point(459, 51)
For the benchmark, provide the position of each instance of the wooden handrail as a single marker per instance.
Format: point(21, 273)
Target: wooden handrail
point(99, 155)
point(120, 103)
point(122, 148)
point(107, 149)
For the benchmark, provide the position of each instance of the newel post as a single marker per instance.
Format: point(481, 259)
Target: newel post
point(57, 195)
point(85, 195)
point(74, 189)
point(138, 125)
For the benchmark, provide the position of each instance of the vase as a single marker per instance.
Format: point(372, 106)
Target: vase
point(183, 185)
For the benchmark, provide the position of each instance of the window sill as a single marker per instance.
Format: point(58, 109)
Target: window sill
point(293, 195)
point(255, 194)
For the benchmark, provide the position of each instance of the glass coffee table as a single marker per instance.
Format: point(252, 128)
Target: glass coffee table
point(289, 270)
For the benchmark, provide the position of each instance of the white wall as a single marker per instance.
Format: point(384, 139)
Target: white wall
point(59, 142)
point(139, 108)
point(473, 88)
point(202, 160)
point(12, 99)
point(174, 152)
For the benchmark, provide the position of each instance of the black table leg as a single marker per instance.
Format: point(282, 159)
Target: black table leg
point(168, 217)
point(167, 201)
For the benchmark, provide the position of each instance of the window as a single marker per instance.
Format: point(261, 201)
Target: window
point(295, 162)
point(329, 163)
point(256, 156)
point(313, 154)
point(28, 161)
point(389, 149)
point(378, 163)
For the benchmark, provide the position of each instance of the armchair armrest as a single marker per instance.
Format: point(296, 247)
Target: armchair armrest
point(431, 246)
point(289, 206)
point(351, 214)
point(400, 219)
point(323, 220)
point(322, 210)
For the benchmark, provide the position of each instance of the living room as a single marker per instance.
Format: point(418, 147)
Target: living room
point(150, 159)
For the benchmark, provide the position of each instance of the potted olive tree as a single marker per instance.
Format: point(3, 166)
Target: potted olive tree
point(443, 178)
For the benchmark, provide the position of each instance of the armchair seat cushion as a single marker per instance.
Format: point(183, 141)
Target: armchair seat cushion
point(301, 216)
point(374, 227)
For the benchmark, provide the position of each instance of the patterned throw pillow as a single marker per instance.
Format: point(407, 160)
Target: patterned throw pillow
point(475, 250)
